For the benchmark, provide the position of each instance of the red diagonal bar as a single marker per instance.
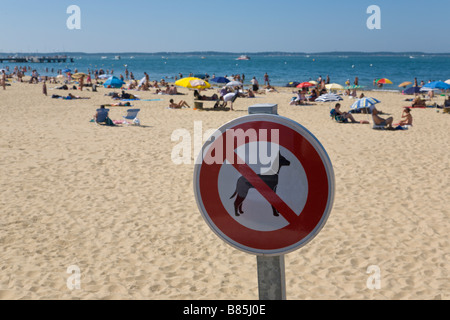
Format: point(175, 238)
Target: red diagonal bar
point(263, 189)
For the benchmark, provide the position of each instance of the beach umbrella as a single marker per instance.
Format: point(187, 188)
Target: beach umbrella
point(79, 75)
point(305, 85)
point(193, 83)
point(448, 81)
point(353, 87)
point(141, 82)
point(412, 90)
point(329, 97)
point(334, 86)
point(437, 85)
point(113, 82)
point(427, 89)
point(365, 103)
point(66, 70)
point(219, 80)
point(103, 76)
point(313, 82)
point(384, 81)
point(234, 84)
point(405, 84)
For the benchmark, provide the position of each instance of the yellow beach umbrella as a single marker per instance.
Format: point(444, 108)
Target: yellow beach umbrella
point(334, 86)
point(405, 84)
point(193, 83)
point(79, 75)
point(448, 81)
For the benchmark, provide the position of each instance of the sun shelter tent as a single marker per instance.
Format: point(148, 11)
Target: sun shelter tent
point(113, 82)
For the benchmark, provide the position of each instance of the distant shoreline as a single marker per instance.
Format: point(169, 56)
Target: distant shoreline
point(218, 53)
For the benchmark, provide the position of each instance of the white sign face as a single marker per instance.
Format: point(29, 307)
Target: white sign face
point(264, 184)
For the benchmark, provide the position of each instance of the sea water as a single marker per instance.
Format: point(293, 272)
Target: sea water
point(281, 69)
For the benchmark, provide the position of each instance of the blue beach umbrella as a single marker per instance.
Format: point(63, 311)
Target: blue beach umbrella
point(437, 85)
point(412, 90)
point(66, 70)
point(219, 80)
point(364, 103)
point(113, 82)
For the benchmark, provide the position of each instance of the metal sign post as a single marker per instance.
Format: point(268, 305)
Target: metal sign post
point(268, 211)
point(271, 278)
point(271, 274)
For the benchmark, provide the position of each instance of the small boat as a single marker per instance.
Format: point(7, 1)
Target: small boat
point(243, 57)
point(103, 58)
point(117, 58)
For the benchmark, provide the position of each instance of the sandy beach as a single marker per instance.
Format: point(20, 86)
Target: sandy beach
point(111, 201)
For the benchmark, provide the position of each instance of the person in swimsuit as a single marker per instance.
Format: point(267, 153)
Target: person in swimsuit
point(178, 105)
point(407, 119)
point(345, 115)
point(380, 121)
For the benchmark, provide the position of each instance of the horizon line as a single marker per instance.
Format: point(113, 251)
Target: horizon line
point(236, 53)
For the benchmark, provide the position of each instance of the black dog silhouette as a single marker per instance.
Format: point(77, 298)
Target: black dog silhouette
point(243, 186)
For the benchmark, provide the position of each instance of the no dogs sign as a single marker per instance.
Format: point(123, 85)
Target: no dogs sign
point(264, 184)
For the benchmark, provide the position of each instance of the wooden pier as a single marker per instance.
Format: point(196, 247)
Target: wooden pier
point(34, 59)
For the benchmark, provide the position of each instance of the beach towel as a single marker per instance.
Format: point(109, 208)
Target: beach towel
point(128, 100)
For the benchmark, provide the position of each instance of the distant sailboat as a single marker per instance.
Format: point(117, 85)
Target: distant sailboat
point(243, 57)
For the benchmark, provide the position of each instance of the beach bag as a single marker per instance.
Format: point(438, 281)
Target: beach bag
point(109, 122)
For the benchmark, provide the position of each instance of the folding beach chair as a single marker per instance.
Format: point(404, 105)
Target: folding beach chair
point(102, 115)
point(335, 116)
point(132, 115)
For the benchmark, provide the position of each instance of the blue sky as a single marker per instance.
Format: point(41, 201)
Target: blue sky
point(229, 25)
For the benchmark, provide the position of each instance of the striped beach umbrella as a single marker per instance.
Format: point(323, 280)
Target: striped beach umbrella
point(384, 81)
point(353, 87)
point(364, 103)
point(329, 97)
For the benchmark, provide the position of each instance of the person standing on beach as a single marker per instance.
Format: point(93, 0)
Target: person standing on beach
point(266, 79)
point(44, 88)
point(81, 83)
point(255, 84)
point(3, 79)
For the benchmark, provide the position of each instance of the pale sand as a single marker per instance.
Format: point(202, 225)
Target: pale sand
point(111, 201)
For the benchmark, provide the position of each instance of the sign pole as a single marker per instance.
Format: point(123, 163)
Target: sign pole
point(271, 275)
point(306, 187)
point(271, 278)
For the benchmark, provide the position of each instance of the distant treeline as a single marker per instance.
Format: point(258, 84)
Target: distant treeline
point(216, 53)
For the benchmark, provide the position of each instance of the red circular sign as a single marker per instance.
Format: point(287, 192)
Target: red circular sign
point(299, 227)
